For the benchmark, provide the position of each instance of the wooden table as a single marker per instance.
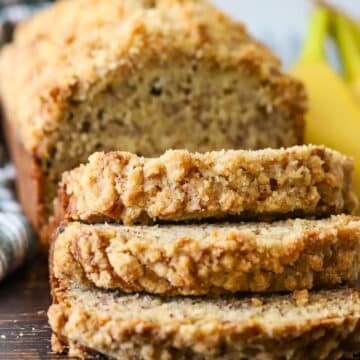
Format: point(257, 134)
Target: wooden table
point(24, 299)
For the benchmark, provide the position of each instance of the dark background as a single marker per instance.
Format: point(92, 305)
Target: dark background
point(14, 2)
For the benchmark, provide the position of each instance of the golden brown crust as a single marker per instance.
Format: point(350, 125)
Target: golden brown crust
point(326, 326)
point(306, 180)
point(29, 179)
point(219, 258)
point(60, 58)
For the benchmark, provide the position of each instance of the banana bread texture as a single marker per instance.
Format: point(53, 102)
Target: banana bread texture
point(210, 258)
point(315, 326)
point(305, 180)
point(141, 76)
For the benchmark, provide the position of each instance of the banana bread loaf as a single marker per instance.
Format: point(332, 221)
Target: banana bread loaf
point(315, 326)
point(142, 76)
point(305, 180)
point(210, 258)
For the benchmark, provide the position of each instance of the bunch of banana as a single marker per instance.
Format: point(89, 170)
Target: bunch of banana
point(334, 112)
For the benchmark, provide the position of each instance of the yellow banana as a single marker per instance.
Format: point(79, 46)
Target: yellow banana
point(334, 117)
point(349, 51)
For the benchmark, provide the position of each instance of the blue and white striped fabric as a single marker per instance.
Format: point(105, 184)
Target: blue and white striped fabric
point(17, 241)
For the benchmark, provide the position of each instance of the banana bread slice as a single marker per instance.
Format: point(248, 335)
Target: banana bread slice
point(303, 180)
point(315, 326)
point(141, 76)
point(210, 258)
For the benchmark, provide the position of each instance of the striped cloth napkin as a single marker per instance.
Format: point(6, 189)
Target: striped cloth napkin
point(17, 241)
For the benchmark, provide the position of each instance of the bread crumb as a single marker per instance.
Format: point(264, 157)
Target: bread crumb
point(301, 297)
point(256, 302)
point(56, 345)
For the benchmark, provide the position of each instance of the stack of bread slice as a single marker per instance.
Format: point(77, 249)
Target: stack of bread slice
point(219, 255)
point(205, 253)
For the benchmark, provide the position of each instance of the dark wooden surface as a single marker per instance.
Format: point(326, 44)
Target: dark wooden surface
point(24, 299)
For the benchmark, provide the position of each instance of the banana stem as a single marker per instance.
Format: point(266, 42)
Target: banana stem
point(355, 26)
point(349, 52)
point(314, 46)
